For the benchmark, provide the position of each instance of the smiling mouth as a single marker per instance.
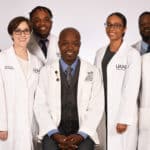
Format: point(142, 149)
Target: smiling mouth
point(43, 28)
point(69, 53)
point(111, 34)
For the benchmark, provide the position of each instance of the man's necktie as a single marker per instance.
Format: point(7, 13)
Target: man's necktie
point(68, 73)
point(43, 47)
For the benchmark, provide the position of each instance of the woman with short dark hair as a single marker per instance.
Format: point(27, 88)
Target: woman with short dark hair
point(19, 72)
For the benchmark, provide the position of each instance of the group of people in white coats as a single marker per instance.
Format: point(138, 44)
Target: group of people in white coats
point(19, 76)
point(42, 100)
point(65, 109)
point(126, 86)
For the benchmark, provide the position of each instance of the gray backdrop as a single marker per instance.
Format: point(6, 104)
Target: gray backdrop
point(88, 16)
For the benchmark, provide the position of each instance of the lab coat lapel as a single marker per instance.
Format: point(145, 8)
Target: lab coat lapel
point(16, 65)
point(119, 53)
point(81, 80)
point(36, 50)
point(55, 78)
point(31, 66)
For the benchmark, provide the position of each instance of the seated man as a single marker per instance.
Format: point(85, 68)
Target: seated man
point(69, 100)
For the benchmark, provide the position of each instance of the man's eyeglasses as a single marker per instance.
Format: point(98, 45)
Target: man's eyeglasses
point(114, 26)
point(19, 32)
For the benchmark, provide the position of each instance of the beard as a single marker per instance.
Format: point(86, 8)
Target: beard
point(145, 38)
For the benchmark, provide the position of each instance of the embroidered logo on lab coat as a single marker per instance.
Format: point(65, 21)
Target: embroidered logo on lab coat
point(121, 67)
point(36, 70)
point(8, 67)
point(89, 76)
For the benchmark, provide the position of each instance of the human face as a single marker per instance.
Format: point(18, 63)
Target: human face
point(115, 28)
point(42, 23)
point(69, 44)
point(21, 35)
point(144, 26)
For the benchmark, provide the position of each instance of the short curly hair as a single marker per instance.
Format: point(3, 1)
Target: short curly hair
point(40, 8)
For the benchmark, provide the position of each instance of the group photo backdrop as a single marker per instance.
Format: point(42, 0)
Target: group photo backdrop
point(88, 16)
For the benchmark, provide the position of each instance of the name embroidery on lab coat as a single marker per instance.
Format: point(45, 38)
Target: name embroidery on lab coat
point(89, 76)
point(121, 67)
point(8, 67)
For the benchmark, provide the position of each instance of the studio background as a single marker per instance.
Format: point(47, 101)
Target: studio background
point(88, 16)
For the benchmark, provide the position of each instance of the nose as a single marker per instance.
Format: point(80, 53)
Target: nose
point(22, 33)
point(70, 46)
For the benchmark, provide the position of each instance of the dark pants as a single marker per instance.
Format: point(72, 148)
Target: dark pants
point(49, 144)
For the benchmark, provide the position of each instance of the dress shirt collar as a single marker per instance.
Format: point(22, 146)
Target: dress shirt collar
point(144, 46)
point(37, 38)
point(73, 66)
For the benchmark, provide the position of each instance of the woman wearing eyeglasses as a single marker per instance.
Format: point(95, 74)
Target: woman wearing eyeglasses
point(19, 71)
point(121, 68)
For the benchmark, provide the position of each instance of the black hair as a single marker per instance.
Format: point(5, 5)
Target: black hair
point(121, 16)
point(143, 14)
point(40, 8)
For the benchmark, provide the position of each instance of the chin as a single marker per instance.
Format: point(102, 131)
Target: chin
point(44, 35)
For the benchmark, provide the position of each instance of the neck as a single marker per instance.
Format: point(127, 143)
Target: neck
point(115, 45)
point(41, 36)
point(21, 52)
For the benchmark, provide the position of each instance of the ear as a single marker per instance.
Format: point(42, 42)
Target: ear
point(59, 44)
point(125, 30)
point(12, 38)
point(80, 44)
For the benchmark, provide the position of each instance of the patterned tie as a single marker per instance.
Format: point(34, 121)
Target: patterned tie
point(43, 46)
point(68, 73)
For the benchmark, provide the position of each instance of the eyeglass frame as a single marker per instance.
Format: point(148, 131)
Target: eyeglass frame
point(114, 26)
point(25, 32)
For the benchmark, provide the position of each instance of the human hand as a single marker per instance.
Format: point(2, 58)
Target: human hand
point(74, 139)
point(59, 138)
point(72, 142)
point(3, 135)
point(121, 128)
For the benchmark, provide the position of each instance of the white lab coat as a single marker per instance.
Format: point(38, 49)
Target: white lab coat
point(90, 99)
point(123, 80)
point(3, 109)
point(52, 52)
point(137, 46)
point(18, 94)
point(144, 110)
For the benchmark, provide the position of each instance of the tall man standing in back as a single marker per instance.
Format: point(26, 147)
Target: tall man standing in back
point(143, 46)
point(43, 44)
